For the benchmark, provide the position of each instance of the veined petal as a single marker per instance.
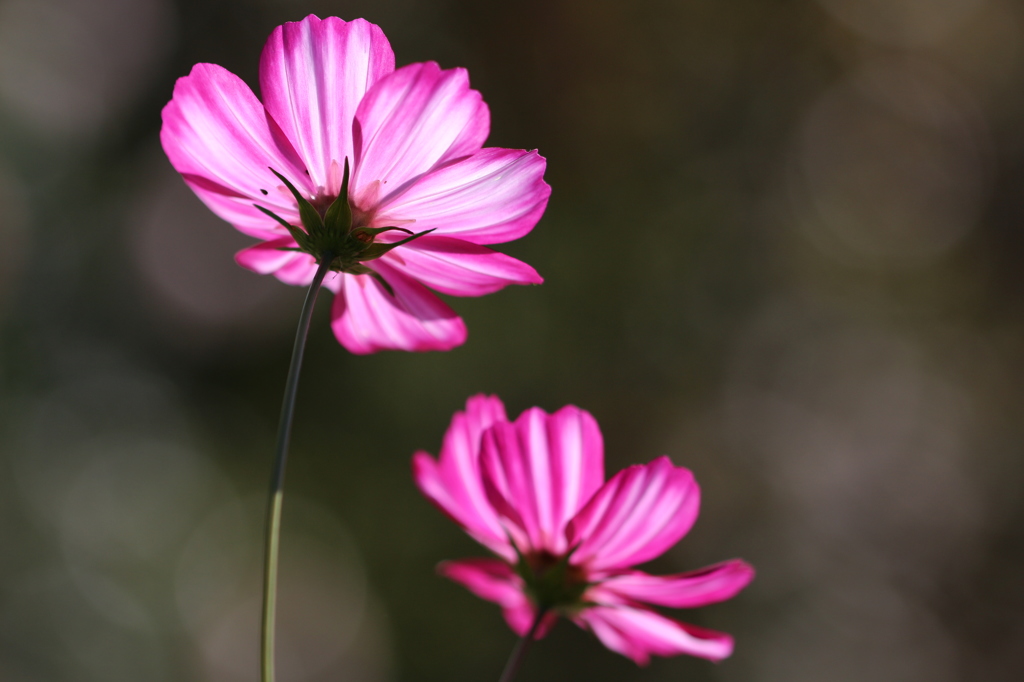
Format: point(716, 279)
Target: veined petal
point(452, 482)
point(494, 196)
point(366, 318)
point(268, 257)
point(640, 633)
point(459, 268)
point(411, 122)
point(540, 470)
point(637, 515)
point(684, 590)
point(313, 74)
point(241, 212)
point(495, 581)
point(299, 271)
point(490, 579)
point(291, 267)
point(218, 136)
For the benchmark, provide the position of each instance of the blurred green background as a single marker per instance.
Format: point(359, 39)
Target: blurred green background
point(784, 247)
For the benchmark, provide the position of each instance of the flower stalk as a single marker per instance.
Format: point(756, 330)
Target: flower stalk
point(284, 432)
point(515, 659)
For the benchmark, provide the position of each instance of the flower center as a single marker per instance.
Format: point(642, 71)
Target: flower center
point(333, 229)
point(551, 580)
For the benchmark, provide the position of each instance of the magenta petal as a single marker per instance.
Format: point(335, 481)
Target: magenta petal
point(490, 579)
point(492, 197)
point(459, 268)
point(641, 633)
point(366, 318)
point(452, 482)
point(540, 470)
point(684, 590)
point(217, 135)
point(313, 74)
point(241, 212)
point(635, 516)
point(268, 256)
point(291, 267)
point(495, 581)
point(410, 122)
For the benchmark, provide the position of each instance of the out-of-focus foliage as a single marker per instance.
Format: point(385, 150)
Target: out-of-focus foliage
point(784, 247)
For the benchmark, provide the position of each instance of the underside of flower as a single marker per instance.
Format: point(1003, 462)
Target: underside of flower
point(551, 581)
point(413, 139)
point(330, 231)
point(567, 541)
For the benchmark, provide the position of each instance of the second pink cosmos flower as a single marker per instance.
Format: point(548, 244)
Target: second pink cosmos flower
point(413, 138)
point(533, 492)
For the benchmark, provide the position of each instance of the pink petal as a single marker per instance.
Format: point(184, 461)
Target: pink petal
point(291, 267)
point(269, 256)
point(684, 590)
point(636, 516)
point(540, 470)
point(452, 482)
point(459, 268)
point(490, 579)
point(492, 197)
point(366, 318)
point(241, 212)
point(217, 135)
point(411, 122)
point(313, 74)
point(495, 581)
point(640, 633)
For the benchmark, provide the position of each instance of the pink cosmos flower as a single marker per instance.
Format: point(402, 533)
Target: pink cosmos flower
point(423, 197)
point(533, 492)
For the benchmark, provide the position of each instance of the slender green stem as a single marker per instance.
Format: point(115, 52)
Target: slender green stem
point(515, 660)
point(284, 432)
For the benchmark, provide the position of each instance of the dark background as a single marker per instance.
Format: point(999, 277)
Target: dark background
point(784, 247)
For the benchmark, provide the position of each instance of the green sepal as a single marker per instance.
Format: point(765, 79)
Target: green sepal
point(311, 219)
point(372, 232)
point(338, 218)
point(300, 237)
point(383, 282)
point(374, 251)
point(553, 586)
point(358, 269)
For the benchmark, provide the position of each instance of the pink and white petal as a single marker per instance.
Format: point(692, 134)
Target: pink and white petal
point(333, 281)
point(313, 74)
point(218, 136)
point(637, 515)
point(480, 523)
point(291, 267)
point(683, 590)
point(495, 581)
point(240, 211)
point(459, 268)
point(540, 470)
point(298, 271)
point(452, 482)
point(490, 579)
point(366, 318)
point(494, 196)
point(267, 257)
point(411, 122)
point(640, 633)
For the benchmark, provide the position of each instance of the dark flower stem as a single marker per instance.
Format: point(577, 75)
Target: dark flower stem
point(515, 660)
point(284, 432)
